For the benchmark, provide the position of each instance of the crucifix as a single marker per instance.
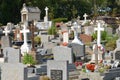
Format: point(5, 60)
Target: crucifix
point(6, 31)
point(32, 29)
point(99, 29)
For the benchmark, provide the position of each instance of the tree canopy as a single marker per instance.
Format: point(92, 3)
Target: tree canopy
point(10, 10)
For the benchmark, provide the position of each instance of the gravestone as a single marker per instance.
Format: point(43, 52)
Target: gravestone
point(112, 74)
point(109, 30)
point(45, 38)
point(63, 53)
point(13, 71)
point(116, 54)
point(65, 37)
point(25, 48)
point(78, 50)
point(5, 42)
point(57, 70)
point(89, 30)
point(12, 55)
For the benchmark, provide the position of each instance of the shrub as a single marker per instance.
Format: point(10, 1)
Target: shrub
point(28, 59)
point(59, 20)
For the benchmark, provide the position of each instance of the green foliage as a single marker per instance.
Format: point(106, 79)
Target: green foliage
point(28, 59)
point(59, 20)
point(111, 44)
point(37, 40)
point(52, 30)
point(103, 35)
point(94, 35)
point(57, 8)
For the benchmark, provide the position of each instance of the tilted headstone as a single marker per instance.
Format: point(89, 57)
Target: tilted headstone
point(57, 70)
point(63, 53)
point(13, 71)
point(12, 55)
point(5, 42)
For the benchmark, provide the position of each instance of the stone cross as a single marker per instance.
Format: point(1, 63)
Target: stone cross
point(25, 47)
point(85, 16)
point(46, 11)
point(25, 31)
point(99, 29)
point(6, 31)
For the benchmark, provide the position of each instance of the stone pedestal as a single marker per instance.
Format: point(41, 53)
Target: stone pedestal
point(25, 48)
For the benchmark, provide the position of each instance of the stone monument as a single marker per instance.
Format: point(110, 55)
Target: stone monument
point(98, 48)
point(25, 48)
point(5, 40)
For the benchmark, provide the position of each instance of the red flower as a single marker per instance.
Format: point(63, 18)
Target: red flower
point(65, 44)
point(90, 67)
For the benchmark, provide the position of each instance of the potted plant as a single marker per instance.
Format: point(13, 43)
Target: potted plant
point(30, 62)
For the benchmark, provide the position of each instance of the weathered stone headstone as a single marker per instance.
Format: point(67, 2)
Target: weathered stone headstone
point(45, 38)
point(89, 30)
point(63, 53)
point(12, 55)
point(57, 70)
point(109, 30)
point(5, 42)
point(13, 71)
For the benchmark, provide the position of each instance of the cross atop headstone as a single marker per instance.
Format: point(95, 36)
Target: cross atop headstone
point(46, 11)
point(75, 27)
point(85, 16)
point(25, 47)
point(99, 29)
point(25, 31)
point(6, 31)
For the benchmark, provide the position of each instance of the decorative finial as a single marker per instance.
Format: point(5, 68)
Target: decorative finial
point(24, 5)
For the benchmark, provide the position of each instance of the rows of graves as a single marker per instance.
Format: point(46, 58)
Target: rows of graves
point(57, 59)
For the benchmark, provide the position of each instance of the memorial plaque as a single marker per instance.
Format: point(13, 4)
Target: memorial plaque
point(56, 74)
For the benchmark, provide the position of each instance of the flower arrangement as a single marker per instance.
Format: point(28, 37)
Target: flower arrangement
point(90, 67)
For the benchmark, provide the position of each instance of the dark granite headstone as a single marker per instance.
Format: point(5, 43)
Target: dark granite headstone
point(78, 50)
point(56, 74)
point(5, 42)
point(117, 55)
